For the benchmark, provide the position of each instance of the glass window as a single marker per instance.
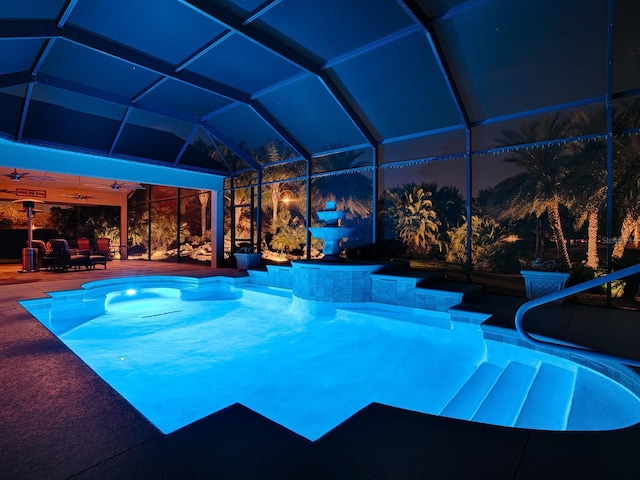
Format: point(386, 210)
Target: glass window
point(195, 218)
point(164, 230)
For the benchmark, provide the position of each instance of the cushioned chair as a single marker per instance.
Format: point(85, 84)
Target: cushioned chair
point(103, 247)
point(61, 259)
point(84, 246)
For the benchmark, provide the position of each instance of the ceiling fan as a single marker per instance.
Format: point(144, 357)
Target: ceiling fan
point(16, 176)
point(79, 196)
point(117, 186)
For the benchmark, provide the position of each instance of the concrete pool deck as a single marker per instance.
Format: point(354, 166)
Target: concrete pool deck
point(60, 420)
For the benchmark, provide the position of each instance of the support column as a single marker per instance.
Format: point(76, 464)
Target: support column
point(217, 229)
point(124, 236)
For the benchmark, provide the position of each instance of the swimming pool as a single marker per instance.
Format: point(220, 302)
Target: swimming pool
point(179, 349)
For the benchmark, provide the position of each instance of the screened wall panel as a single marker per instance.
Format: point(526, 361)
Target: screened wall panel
point(153, 134)
point(175, 96)
point(325, 30)
point(566, 64)
point(202, 152)
point(353, 194)
point(11, 102)
point(406, 97)
point(19, 56)
point(421, 211)
point(119, 20)
point(448, 143)
point(307, 110)
point(626, 64)
point(359, 157)
point(89, 67)
point(247, 129)
point(235, 60)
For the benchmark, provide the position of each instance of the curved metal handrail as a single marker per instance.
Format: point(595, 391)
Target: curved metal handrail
point(581, 287)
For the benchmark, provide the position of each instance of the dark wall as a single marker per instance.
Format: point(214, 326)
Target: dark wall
point(13, 241)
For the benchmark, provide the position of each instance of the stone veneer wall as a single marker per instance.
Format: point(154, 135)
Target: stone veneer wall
point(350, 283)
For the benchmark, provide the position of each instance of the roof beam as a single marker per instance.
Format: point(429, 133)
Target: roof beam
point(282, 131)
point(230, 21)
point(232, 146)
point(25, 109)
point(417, 14)
point(185, 145)
point(45, 30)
point(15, 79)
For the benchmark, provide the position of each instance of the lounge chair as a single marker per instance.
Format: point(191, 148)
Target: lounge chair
point(60, 257)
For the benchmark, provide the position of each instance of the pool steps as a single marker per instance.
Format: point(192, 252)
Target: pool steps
point(488, 396)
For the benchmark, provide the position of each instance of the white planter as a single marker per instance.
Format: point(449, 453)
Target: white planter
point(248, 261)
point(539, 283)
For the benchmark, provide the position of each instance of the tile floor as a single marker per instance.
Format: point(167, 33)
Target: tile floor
point(59, 420)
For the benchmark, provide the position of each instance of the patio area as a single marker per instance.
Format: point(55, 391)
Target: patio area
point(60, 420)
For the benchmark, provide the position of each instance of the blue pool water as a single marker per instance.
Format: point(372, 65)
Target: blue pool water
point(179, 350)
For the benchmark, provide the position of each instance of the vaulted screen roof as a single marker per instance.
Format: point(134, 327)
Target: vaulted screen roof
point(206, 85)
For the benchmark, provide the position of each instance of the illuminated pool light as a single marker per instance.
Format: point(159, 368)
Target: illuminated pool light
point(131, 291)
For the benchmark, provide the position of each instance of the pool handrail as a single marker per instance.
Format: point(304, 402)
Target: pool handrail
point(581, 287)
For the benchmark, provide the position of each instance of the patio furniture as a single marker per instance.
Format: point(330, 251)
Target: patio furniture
point(97, 260)
point(61, 257)
point(103, 247)
point(84, 245)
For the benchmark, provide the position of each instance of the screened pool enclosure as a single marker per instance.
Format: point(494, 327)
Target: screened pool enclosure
point(477, 135)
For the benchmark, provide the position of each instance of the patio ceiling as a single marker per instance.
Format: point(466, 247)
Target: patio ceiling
point(206, 85)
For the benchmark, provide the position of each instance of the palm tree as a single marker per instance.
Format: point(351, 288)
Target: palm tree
point(410, 216)
point(538, 188)
point(587, 186)
point(274, 192)
point(203, 197)
point(352, 189)
point(626, 178)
